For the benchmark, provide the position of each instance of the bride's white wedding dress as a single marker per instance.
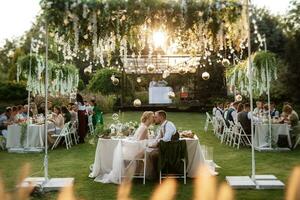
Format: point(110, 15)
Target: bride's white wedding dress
point(126, 149)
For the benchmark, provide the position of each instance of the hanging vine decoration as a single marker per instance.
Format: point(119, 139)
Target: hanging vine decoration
point(63, 78)
point(263, 63)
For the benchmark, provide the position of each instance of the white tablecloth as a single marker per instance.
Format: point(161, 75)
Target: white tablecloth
point(262, 134)
point(159, 95)
point(105, 149)
point(34, 136)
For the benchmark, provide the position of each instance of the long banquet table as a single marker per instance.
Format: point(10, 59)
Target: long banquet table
point(262, 134)
point(34, 136)
point(105, 148)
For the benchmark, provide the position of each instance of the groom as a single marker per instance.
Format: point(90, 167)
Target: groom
point(167, 130)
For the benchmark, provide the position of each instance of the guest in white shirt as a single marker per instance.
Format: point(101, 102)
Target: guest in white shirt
point(232, 113)
point(219, 111)
point(259, 108)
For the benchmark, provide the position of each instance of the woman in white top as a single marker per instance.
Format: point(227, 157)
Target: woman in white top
point(146, 120)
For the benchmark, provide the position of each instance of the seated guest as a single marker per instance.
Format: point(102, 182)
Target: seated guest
point(226, 107)
point(240, 107)
point(19, 115)
point(274, 113)
point(259, 108)
point(266, 110)
point(232, 113)
point(219, 111)
point(290, 116)
point(57, 119)
point(97, 113)
point(73, 111)
point(4, 121)
point(244, 118)
point(13, 117)
point(25, 112)
point(146, 120)
point(66, 114)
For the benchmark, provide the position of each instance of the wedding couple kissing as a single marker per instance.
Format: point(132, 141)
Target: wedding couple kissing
point(166, 130)
point(140, 146)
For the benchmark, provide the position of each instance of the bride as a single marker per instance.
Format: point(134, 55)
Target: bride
point(128, 150)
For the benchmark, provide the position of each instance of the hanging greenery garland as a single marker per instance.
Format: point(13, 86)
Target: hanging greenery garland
point(264, 64)
point(63, 78)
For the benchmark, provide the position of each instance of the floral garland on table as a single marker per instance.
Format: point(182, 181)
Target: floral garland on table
point(24, 126)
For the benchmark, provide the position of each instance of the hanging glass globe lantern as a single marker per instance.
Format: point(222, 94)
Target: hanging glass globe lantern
point(182, 71)
point(137, 103)
point(165, 74)
point(150, 68)
point(115, 81)
point(88, 70)
point(115, 116)
point(139, 79)
point(225, 62)
point(171, 95)
point(205, 76)
point(238, 97)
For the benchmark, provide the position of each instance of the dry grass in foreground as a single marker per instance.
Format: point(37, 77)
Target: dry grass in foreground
point(205, 188)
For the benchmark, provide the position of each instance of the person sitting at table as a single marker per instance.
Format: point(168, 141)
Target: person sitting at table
point(244, 118)
point(146, 120)
point(4, 121)
point(226, 107)
point(13, 117)
point(66, 114)
point(232, 113)
point(274, 113)
point(57, 119)
point(73, 111)
point(240, 108)
point(25, 112)
point(219, 111)
point(19, 116)
point(259, 108)
point(290, 116)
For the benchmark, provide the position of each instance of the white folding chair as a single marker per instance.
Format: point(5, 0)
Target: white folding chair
point(65, 134)
point(2, 142)
point(135, 147)
point(240, 136)
point(297, 142)
point(183, 176)
point(90, 124)
point(207, 122)
point(73, 132)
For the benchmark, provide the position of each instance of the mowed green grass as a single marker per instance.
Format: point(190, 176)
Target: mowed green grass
point(75, 163)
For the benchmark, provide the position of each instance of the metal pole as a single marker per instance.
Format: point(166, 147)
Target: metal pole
point(269, 99)
point(250, 90)
point(28, 83)
point(46, 108)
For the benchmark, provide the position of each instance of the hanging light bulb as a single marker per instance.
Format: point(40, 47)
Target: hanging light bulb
point(88, 70)
point(139, 79)
point(115, 81)
point(150, 68)
point(182, 71)
point(205, 76)
point(238, 97)
point(171, 95)
point(225, 62)
point(137, 103)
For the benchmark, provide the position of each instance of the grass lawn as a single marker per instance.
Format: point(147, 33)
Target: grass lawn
point(75, 163)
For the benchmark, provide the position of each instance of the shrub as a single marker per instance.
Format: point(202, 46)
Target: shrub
point(101, 82)
point(12, 90)
point(105, 102)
